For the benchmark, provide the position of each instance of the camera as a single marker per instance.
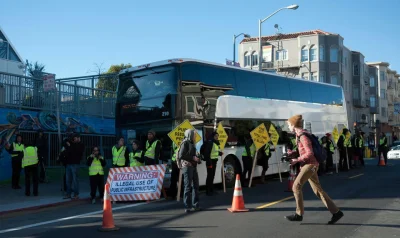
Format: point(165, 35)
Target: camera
point(286, 157)
point(200, 156)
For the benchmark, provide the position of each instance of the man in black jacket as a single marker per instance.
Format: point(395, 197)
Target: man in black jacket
point(75, 152)
point(41, 145)
point(152, 149)
point(211, 154)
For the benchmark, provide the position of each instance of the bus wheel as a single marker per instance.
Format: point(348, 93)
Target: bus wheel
point(230, 172)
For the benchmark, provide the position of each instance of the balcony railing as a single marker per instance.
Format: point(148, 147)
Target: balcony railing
point(27, 93)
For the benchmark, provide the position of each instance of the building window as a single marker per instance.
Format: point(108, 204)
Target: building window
point(313, 53)
point(304, 76)
point(247, 59)
point(304, 54)
point(356, 70)
point(334, 79)
point(383, 112)
point(314, 76)
point(322, 76)
point(254, 59)
point(382, 74)
point(356, 93)
point(321, 53)
point(334, 54)
point(371, 81)
point(372, 101)
point(281, 55)
point(383, 93)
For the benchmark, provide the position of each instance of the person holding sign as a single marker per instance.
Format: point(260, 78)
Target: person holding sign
point(152, 151)
point(247, 158)
point(172, 191)
point(135, 157)
point(96, 163)
point(120, 154)
point(211, 154)
point(308, 172)
point(187, 160)
point(263, 155)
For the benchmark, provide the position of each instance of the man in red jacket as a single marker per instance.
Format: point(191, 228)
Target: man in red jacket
point(308, 172)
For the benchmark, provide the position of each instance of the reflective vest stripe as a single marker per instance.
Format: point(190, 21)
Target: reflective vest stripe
point(151, 150)
point(267, 151)
point(17, 147)
point(30, 157)
point(175, 153)
point(214, 151)
point(134, 162)
point(96, 167)
point(119, 156)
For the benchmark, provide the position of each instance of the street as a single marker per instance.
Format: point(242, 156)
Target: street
point(369, 198)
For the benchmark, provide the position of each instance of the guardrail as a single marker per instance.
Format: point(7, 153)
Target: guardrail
point(23, 92)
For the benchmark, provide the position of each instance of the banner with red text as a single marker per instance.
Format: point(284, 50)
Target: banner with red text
point(141, 183)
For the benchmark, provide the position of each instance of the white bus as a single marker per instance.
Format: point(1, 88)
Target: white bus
point(161, 95)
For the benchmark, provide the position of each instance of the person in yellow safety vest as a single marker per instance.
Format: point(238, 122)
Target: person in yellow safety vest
point(30, 165)
point(383, 147)
point(16, 150)
point(96, 164)
point(172, 191)
point(135, 157)
point(349, 140)
point(263, 155)
point(247, 159)
point(342, 150)
point(328, 145)
point(359, 143)
point(211, 155)
point(120, 154)
point(152, 151)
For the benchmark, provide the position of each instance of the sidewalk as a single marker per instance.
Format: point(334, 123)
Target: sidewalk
point(50, 194)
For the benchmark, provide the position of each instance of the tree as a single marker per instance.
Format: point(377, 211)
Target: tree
point(109, 80)
point(36, 70)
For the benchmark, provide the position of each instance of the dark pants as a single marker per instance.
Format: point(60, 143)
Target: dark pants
point(96, 182)
point(343, 160)
point(384, 152)
point(211, 176)
point(329, 161)
point(42, 170)
point(16, 164)
point(361, 156)
point(247, 167)
point(191, 181)
point(172, 191)
point(31, 173)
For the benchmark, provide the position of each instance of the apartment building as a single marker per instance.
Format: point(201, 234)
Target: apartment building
point(10, 61)
point(321, 56)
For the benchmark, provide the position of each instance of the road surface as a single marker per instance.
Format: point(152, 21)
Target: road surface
point(369, 198)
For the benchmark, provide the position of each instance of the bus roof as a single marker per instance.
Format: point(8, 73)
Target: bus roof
point(184, 60)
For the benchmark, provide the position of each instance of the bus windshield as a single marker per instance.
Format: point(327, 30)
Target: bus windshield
point(146, 94)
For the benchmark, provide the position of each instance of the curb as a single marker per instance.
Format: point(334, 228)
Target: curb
point(55, 204)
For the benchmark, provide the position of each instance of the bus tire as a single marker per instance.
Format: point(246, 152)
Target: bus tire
point(232, 167)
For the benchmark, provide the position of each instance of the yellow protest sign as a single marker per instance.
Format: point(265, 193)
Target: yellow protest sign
point(177, 134)
point(335, 134)
point(222, 136)
point(274, 135)
point(260, 136)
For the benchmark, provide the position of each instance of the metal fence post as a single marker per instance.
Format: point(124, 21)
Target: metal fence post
point(20, 93)
point(48, 150)
point(102, 106)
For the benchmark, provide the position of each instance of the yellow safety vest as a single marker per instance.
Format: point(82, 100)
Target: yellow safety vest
point(267, 150)
point(96, 167)
point(175, 153)
point(30, 156)
point(360, 142)
point(133, 161)
point(119, 156)
point(347, 142)
point(18, 147)
point(382, 141)
point(151, 150)
point(215, 151)
point(252, 151)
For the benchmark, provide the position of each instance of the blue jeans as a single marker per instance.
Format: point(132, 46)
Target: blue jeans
point(72, 179)
point(191, 182)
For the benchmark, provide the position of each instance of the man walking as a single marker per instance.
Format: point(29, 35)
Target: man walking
point(308, 172)
point(74, 156)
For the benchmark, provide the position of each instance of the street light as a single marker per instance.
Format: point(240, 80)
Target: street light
point(291, 7)
point(234, 44)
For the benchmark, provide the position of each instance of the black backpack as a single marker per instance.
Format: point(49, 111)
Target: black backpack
point(318, 150)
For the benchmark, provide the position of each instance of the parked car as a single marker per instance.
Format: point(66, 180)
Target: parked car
point(395, 143)
point(394, 153)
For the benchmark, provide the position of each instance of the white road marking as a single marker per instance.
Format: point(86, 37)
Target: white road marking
point(70, 218)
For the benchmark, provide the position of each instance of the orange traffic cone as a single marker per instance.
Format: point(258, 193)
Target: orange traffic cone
point(382, 161)
point(108, 220)
point(238, 202)
point(292, 177)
